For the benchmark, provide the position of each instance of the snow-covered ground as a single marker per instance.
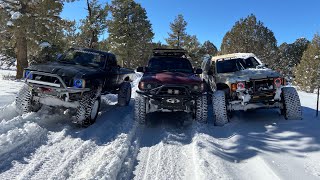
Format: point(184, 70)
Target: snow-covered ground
point(254, 145)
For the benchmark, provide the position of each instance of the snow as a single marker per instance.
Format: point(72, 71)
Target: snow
point(16, 15)
point(45, 44)
point(254, 145)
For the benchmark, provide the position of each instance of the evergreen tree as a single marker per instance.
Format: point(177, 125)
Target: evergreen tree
point(178, 35)
point(192, 46)
point(208, 48)
point(130, 32)
point(93, 25)
point(307, 73)
point(250, 35)
point(290, 55)
point(32, 23)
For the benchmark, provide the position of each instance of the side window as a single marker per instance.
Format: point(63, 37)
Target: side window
point(111, 62)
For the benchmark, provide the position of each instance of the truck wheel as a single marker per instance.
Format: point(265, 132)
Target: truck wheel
point(140, 109)
point(219, 104)
point(124, 95)
point(88, 109)
point(202, 109)
point(24, 103)
point(291, 104)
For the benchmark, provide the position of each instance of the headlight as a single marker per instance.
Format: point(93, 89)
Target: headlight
point(241, 86)
point(79, 83)
point(278, 82)
point(28, 74)
point(144, 85)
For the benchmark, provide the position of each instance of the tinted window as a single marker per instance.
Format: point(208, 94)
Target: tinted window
point(233, 65)
point(84, 58)
point(173, 64)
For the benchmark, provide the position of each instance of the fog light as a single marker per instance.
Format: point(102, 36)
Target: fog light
point(240, 85)
point(176, 91)
point(170, 91)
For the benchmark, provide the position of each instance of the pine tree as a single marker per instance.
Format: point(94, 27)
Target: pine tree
point(130, 32)
point(192, 46)
point(307, 73)
point(32, 23)
point(250, 35)
point(208, 48)
point(178, 35)
point(290, 55)
point(93, 25)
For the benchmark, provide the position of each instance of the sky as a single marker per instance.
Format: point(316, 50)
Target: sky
point(211, 19)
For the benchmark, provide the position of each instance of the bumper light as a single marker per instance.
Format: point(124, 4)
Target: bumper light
point(277, 82)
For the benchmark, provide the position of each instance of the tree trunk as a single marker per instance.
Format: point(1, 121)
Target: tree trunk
point(21, 50)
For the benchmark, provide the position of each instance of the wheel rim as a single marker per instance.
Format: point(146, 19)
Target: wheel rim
point(95, 109)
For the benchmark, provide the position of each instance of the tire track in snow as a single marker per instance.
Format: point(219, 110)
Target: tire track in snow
point(164, 152)
point(69, 149)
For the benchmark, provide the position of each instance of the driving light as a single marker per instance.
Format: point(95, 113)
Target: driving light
point(79, 83)
point(277, 82)
point(240, 86)
point(196, 87)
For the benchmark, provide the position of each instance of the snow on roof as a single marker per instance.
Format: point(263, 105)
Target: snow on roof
point(233, 56)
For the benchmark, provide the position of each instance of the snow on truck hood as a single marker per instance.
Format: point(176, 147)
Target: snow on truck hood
point(172, 78)
point(247, 74)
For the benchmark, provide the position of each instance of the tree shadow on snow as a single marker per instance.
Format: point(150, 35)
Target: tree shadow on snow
point(254, 132)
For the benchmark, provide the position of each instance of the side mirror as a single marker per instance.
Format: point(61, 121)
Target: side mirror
point(140, 69)
point(198, 71)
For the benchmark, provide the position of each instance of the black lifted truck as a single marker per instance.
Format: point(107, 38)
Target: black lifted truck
point(169, 83)
point(76, 80)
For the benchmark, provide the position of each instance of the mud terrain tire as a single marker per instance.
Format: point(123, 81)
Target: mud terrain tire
point(24, 102)
point(291, 104)
point(201, 114)
point(220, 112)
point(140, 109)
point(124, 94)
point(88, 109)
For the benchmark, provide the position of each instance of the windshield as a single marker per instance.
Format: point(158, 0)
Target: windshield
point(172, 64)
point(84, 58)
point(233, 65)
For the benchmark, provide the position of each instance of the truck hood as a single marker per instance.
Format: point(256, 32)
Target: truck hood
point(246, 75)
point(69, 70)
point(171, 78)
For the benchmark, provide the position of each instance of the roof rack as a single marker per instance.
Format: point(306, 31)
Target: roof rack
point(169, 52)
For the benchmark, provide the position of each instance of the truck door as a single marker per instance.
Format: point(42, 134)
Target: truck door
point(111, 73)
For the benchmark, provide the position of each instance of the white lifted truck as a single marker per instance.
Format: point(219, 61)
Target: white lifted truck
point(241, 81)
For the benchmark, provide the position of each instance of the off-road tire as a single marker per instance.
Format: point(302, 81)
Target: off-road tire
point(124, 94)
point(201, 114)
point(220, 111)
point(140, 109)
point(24, 102)
point(85, 108)
point(291, 104)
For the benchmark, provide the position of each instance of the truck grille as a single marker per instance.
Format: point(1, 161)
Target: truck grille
point(262, 85)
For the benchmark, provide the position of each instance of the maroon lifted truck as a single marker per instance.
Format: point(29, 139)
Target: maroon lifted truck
point(169, 84)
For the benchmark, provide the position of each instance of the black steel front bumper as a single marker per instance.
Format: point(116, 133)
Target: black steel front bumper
point(172, 101)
